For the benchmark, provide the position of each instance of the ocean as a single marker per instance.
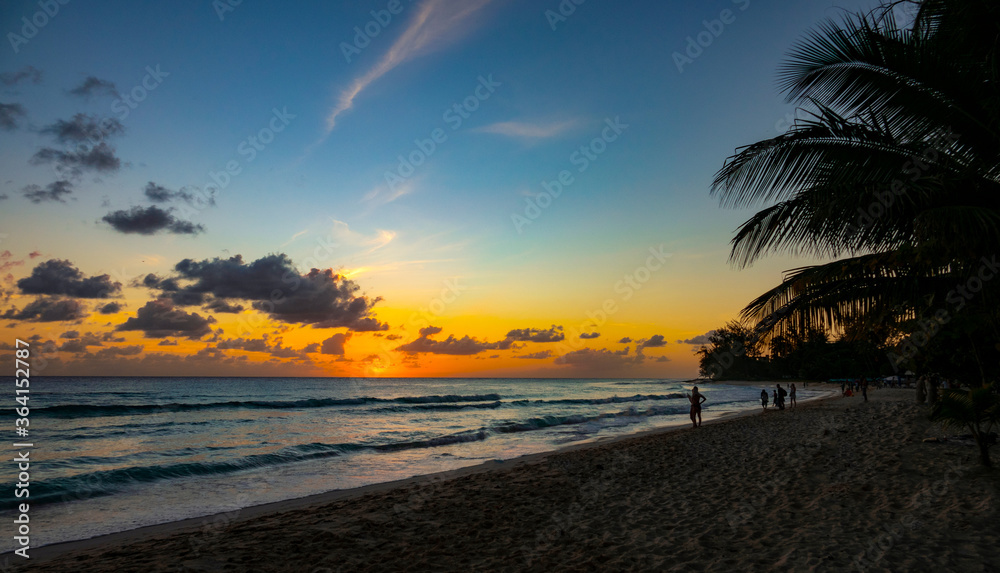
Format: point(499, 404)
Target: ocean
point(112, 454)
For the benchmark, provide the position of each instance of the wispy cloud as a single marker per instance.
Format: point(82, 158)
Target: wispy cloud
point(294, 237)
point(435, 24)
point(383, 194)
point(528, 130)
point(342, 233)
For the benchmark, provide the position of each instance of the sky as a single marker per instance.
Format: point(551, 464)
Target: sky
point(381, 188)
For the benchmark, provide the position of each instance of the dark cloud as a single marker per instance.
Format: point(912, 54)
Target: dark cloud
point(52, 192)
point(393, 337)
point(464, 346)
point(84, 128)
point(219, 305)
point(10, 114)
point(167, 342)
point(536, 355)
point(596, 360)
point(625, 340)
point(160, 194)
point(661, 359)
point(335, 344)
point(655, 341)
point(34, 255)
point(27, 73)
point(160, 319)
point(699, 340)
point(94, 85)
point(589, 335)
point(273, 285)
point(118, 352)
point(56, 276)
point(79, 343)
point(263, 344)
point(48, 310)
point(430, 331)
point(100, 158)
point(110, 308)
point(552, 334)
point(150, 220)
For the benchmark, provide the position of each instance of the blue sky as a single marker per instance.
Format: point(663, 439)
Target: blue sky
point(225, 75)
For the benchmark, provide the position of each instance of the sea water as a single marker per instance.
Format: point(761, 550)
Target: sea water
point(112, 454)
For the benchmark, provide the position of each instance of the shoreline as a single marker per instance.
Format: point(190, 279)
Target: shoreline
point(191, 525)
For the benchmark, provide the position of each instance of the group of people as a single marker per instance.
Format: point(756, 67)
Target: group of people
point(850, 388)
point(778, 398)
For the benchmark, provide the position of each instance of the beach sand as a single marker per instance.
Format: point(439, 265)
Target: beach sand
point(830, 486)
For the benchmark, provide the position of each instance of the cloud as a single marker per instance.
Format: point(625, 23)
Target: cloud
point(56, 276)
point(430, 330)
point(218, 305)
point(149, 221)
point(528, 130)
point(52, 192)
point(77, 343)
point(596, 360)
point(160, 319)
point(84, 128)
point(160, 194)
point(10, 114)
point(94, 85)
point(393, 337)
point(551, 334)
point(167, 342)
point(655, 341)
point(7, 261)
point(464, 346)
point(435, 24)
point(699, 340)
point(48, 310)
point(274, 348)
point(335, 344)
point(536, 355)
point(110, 308)
point(319, 298)
point(589, 335)
point(27, 73)
point(100, 158)
point(625, 340)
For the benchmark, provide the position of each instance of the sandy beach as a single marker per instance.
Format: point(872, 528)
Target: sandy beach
point(833, 485)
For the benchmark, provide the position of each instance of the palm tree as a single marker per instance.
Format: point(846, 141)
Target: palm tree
point(978, 409)
point(895, 175)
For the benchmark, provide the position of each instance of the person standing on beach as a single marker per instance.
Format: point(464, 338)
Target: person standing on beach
point(774, 398)
point(763, 398)
point(696, 401)
point(791, 396)
point(781, 397)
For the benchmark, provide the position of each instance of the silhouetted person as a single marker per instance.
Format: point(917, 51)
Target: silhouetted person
point(696, 401)
point(791, 396)
point(781, 397)
point(763, 398)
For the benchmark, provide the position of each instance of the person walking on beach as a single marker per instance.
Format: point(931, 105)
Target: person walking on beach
point(763, 398)
point(774, 398)
point(696, 401)
point(791, 396)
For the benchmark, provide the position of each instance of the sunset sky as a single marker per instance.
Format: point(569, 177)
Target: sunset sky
point(173, 171)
